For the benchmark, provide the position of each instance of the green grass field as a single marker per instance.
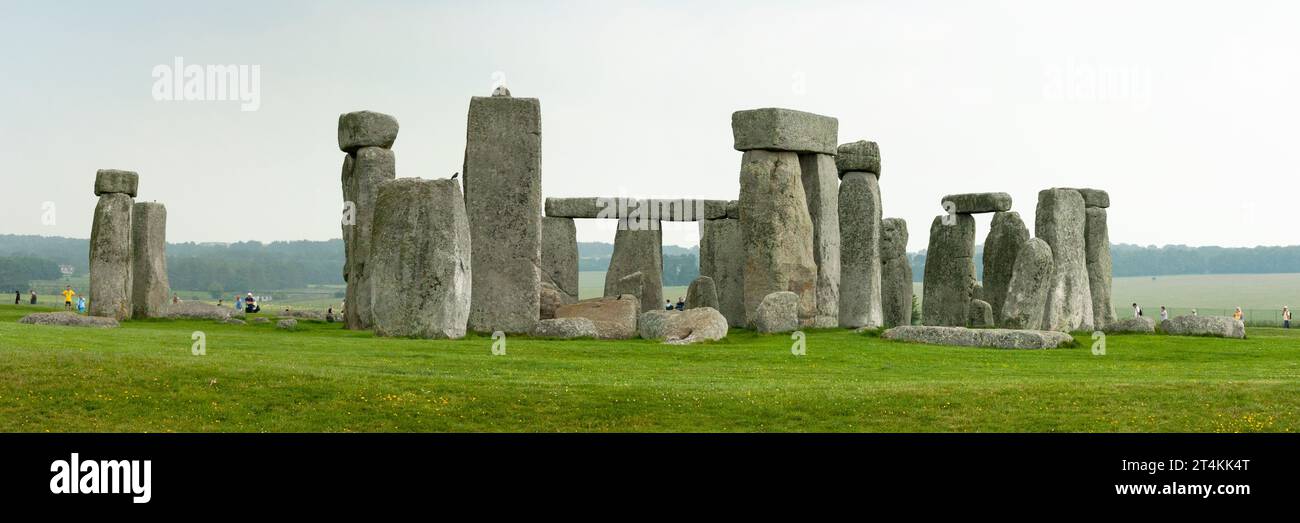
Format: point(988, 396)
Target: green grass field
point(143, 377)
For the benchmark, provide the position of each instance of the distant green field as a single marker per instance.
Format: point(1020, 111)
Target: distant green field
point(143, 377)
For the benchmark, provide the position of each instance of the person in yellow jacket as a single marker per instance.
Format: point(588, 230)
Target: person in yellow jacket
point(68, 293)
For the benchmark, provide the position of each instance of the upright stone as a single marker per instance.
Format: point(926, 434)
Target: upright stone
point(420, 262)
point(981, 314)
point(370, 166)
point(777, 232)
point(1031, 279)
point(1007, 235)
point(860, 267)
point(949, 271)
point(631, 285)
point(560, 256)
point(821, 187)
point(150, 289)
point(722, 258)
point(895, 273)
point(702, 293)
point(1097, 246)
point(111, 285)
point(638, 248)
point(503, 199)
point(1060, 221)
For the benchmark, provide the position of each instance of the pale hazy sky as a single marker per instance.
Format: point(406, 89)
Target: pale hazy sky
point(1186, 112)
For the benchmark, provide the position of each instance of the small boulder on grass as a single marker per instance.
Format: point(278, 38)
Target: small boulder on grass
point(287, 324)
point(70, 319)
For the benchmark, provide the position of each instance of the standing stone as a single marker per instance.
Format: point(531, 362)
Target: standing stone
point(420, 262)
point(550, 298)
point(859, 156)
point(638, 248)
point(1007, 235)
point(631, 285)
point(1060, 221)
point(560, 256)
point(1027, 291)
point(150, 289)
point(369, 167)
point(702, 293)
point(503, 198)
point(821, 183)
point(949, 271)
point(778, 234)
point(722, 259)
point(981, 314)
point(860, 268)
point(110, 257)
point(1097, 246)
point(895, 273)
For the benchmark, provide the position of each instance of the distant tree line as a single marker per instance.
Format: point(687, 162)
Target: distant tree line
point(17, 271)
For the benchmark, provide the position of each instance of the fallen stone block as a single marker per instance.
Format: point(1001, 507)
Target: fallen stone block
point(778, 312)
point(67, 319)
point(986, 338)
point(1215, 326)
point(614, 316)
point(1138, 325)
point(565, 328)
point(683, 327)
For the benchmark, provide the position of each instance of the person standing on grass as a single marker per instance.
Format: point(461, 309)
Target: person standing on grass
point(1164, 314)
point(1137, 311)
point(81, 304)
point(68, 293)
point(1237, 315)
point(1286, 317)
point(18, 297)
point(33, 297)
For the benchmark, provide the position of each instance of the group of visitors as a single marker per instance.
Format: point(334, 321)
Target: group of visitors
point(246, 303)
point(1237, 314)
point(681, 305)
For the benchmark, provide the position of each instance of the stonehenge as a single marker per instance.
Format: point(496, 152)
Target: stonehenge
point(778, 312)
point(895, 273)
point(1097, 254)
point(820, 180)
point(502, 173)
point(111, 264)
point(986, 338)
point(682, 327)
point(420, 261)
point(560, 256)
point(1026, 298)
point(949, 271)
point(150, 290)
point(1215, 326)
point(720, 241)
point(366, 137)
point(1007, 234)
point(637, 251)
point(613, 316)
point(702, 293)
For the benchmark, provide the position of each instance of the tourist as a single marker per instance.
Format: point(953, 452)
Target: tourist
point(33, 297)
point(1286, 317)
point(1237, 315)
point(239, 302)
point(681, 304)
point(1194, 312)
point(668, 305)
point(250, 304)
point(1164, 314)
point(220, 303)
point(18, 297)
point(68, 293)
point(329, 315)
point(1137, 311)
point(176, 298)
point(81, 304)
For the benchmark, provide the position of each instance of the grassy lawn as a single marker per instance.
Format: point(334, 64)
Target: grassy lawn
point(142, 377)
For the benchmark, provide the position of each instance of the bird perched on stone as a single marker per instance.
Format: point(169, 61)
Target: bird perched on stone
point(501, 90)
point(454, 176)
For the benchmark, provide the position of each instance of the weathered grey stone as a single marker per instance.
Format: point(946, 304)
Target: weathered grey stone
point(581, 207)
point(975, 203)
point(287, 324)
point(1031, 278)
point(1097, 253)
point(634, 285)
point(860, 156)
point(987, 338)
point(149, 258)
point(949, 271)
point(702, 293)
point(722, 258)
point(114, 181)
point(779, 312)
point(614, 316)
point(977, 291)
point(981, 314)
point(776, 129)
point(821, 185)
point(1060, 220)
point(777, 233)
point(1007, 235)
point(637, 251)
point(895, 273)
point(193, 310)
point(861, 301)
point(657, 209)
point(1095, 198)
point(300, 314)
point(1139, 325)
point(68, 319)
point(683, 327)
point(370, 167)
point(733, 209)
point(564, 328)
point(503, 198)
point(1215, 326)
point(420, 260)
point(560, 256)
point(551, 298)
point(366, 129)
point(110, 257)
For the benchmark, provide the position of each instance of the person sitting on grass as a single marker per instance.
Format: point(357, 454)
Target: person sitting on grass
point(250, 304)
